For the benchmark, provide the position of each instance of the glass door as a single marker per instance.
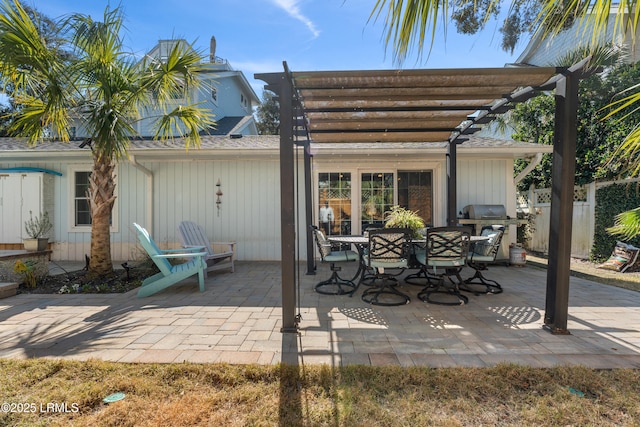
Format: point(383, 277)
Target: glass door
point(415, 192)
point(376, 198)
point(334, 203)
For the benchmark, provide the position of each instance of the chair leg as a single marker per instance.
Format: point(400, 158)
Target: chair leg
point(385, 294)
point(417, 278)
point(335, 285)
point(441, 288)
point(475, 283)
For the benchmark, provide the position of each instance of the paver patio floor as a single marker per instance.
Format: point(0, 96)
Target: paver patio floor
point(238, 318)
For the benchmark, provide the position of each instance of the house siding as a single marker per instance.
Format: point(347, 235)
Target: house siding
point(548, 52)
point(162, 186)
point(483, 182)
point(183, 190)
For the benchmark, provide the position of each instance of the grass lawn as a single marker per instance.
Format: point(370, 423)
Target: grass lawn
point(224, 395)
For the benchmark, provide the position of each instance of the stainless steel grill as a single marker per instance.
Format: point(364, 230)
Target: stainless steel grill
point(478, 216)
point(484, 212)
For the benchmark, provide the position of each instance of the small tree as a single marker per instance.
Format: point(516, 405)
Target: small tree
point(268, 113)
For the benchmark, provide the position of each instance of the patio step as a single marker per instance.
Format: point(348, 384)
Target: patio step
point(8, 289)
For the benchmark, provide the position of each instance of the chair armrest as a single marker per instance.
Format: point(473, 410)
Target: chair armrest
point(224, 248)
point(230, 244)
point(189, 248)
point(181, 255)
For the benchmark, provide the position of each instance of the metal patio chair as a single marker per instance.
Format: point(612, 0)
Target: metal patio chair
point(335, 285)
point(444, 257)
point(387, 256)
point(480, 255)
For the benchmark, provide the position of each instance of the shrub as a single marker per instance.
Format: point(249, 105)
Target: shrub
point(610, 201)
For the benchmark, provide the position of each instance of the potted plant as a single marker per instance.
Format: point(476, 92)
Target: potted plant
point(399, 217)
point(37, 229)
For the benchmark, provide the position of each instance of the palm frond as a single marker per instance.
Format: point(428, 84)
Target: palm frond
point(604, 55)
point(174, 77)
point(627, 224)
point(408, 21)
point(592, 18)
point(35, 74)
point(186, 122)
point(629, 150)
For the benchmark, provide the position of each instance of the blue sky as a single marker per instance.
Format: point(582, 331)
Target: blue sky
point(256, 36)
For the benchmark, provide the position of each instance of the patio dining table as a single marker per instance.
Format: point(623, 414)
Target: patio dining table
point(361, 242)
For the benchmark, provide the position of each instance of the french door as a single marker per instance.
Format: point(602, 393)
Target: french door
point(338, 193)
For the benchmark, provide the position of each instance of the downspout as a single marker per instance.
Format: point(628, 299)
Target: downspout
point(149, 202)
point(532, 164)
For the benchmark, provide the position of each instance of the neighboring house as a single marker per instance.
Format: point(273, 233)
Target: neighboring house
point(547, 52)
point(162, 185)
point(225, 91)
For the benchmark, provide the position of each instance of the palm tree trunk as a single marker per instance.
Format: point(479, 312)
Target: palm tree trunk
point(101, 196)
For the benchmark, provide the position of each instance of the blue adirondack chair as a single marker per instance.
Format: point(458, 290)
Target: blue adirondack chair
point(170, 274)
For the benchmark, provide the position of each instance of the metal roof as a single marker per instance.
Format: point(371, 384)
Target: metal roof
point(431, 105)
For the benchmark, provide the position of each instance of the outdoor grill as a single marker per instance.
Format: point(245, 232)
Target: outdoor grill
point(478, 216)
point(481, 215)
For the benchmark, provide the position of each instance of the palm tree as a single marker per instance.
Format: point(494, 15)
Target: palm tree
point(104, 86)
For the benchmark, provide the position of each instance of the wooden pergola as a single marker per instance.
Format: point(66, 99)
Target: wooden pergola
point(438, 105)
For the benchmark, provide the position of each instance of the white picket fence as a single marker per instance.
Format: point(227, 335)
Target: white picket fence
point(538, 202)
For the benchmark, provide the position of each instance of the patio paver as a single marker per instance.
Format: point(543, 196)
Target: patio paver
point(238, 318)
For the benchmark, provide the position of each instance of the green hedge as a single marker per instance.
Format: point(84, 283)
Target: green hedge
point(610, 201)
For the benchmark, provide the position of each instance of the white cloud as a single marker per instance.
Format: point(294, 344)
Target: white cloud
point(291, 7)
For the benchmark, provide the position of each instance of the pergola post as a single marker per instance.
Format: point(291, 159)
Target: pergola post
point(452, 183)
point(563, 174)
point(287, 206)
point(308, 193)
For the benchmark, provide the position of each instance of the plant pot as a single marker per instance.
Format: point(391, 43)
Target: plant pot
point(34, 245)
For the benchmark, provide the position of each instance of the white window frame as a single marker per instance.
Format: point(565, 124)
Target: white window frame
point(437, 168)
point(73, 228)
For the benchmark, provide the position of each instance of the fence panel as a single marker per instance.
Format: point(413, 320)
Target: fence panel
point(583, 218)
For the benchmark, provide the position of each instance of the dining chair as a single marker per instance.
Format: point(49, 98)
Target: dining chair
point(387, 256)
point(445, 256)
point(334, 285)
point(480, 254)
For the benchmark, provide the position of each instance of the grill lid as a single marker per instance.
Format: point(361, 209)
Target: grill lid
point(484, 212)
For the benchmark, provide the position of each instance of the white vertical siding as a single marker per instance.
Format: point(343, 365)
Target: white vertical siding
point(483, 181)
point(250, 210)
point(249, 213)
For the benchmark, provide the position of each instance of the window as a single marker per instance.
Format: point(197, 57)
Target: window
point(376, 198)
point(244, 101)
point(214, 94)
point(415, 192)
point(82, 214)
point(79, 204)
point(334, 202)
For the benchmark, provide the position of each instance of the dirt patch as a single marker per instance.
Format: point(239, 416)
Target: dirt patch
point(81, 282)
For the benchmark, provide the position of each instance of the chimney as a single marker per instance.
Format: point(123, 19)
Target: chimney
point(212, 49)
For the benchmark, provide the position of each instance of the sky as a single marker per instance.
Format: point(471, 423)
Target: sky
point(256, 36)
